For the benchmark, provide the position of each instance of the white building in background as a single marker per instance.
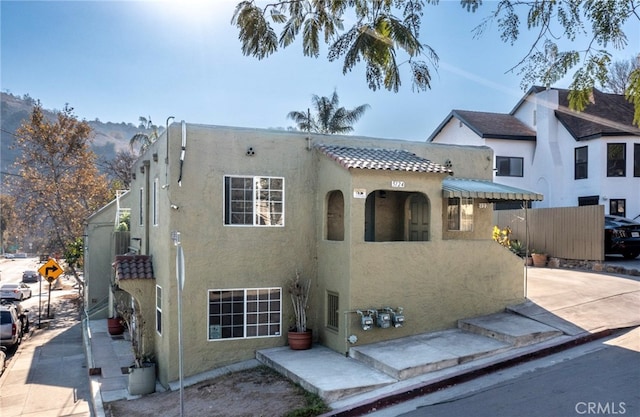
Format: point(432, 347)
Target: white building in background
point(572, 158)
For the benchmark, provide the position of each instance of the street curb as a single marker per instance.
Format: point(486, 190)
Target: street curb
point(417, 390)
point(97, 407)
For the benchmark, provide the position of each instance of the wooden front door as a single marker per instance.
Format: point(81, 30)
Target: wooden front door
point(418, 225)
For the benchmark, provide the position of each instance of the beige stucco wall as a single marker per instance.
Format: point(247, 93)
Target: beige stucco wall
point(454, 275)
point(428, 279)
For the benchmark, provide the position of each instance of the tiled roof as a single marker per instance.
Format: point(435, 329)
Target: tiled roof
point(380, 159)
point(495, 125)
point(607, 115)
point(133, 267)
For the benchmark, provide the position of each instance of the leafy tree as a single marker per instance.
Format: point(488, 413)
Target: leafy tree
point(7, 216)
point(147, 137)
point(375, 38)
point(328, 117)
point(58, 185)
point(385, 29)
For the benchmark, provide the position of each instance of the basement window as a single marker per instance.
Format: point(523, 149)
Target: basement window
point(245, 313)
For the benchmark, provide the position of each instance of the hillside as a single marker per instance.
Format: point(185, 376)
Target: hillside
point(108, 137)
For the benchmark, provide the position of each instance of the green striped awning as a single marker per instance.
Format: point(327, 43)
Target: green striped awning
point(471, 188)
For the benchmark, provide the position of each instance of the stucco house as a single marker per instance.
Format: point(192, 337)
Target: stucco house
point(573, 158)
point(376, 225)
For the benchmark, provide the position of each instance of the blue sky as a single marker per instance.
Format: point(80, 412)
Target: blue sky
point(118, 60)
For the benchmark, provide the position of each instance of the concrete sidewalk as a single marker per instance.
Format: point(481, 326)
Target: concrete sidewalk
point(47, 376)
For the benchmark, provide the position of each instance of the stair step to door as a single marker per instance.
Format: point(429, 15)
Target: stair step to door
point(509, 328)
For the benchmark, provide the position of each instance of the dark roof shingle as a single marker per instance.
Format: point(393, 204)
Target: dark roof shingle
point(380, 159)
point(133, 267)
point(495, 125)
point(606, 115)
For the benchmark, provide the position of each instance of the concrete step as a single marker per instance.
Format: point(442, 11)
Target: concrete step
point(510, 328)
point(324, 372)
point(416, 355)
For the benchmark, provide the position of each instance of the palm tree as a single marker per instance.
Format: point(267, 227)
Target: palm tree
point(147, 137)
point(328, 117)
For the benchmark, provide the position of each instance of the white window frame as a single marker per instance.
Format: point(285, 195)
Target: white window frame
point(263, 203)
point(159, 310)
point(156, 191)
point(256, 315)
point(462, 209)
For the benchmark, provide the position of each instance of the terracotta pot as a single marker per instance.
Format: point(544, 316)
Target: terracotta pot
point(539, 259)
point(299, 340)
point(114, 326)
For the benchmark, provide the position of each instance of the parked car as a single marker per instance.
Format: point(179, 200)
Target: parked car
point(30, 276)
point(11, 325)
point(18, 291)
point(3, 359)
point(621, 236)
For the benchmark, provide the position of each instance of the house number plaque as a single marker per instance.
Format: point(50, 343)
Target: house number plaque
point(397, 184)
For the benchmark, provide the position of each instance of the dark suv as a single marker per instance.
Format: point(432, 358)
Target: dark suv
point(29, 276)
point(13, 323)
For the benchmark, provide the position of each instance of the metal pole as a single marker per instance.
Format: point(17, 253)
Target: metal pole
point(39, 301)
point(180, 278)
point(49, 302)
point(180, 342)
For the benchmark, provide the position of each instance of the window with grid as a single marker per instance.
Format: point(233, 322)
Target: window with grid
point(616, 162)
point(245, 313)
point(333, 310)
point(460, 214)
point(254, 201)
point(581, 163)
point(509, 166)
point(159, 309)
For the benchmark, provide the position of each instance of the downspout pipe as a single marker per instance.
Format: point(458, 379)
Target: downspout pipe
point(147, 223)
point(166, 159)
point(183, 149)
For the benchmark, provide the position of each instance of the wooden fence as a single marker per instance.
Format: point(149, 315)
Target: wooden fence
point(562, 232)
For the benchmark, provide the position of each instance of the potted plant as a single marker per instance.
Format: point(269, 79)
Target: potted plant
point(142, 373)
point(299, 335)
point(115, 325)
point(539, 258)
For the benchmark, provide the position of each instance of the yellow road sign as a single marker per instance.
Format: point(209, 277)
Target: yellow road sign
point(50, 270)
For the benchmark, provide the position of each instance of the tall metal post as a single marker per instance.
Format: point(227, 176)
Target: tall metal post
point(180, 277)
